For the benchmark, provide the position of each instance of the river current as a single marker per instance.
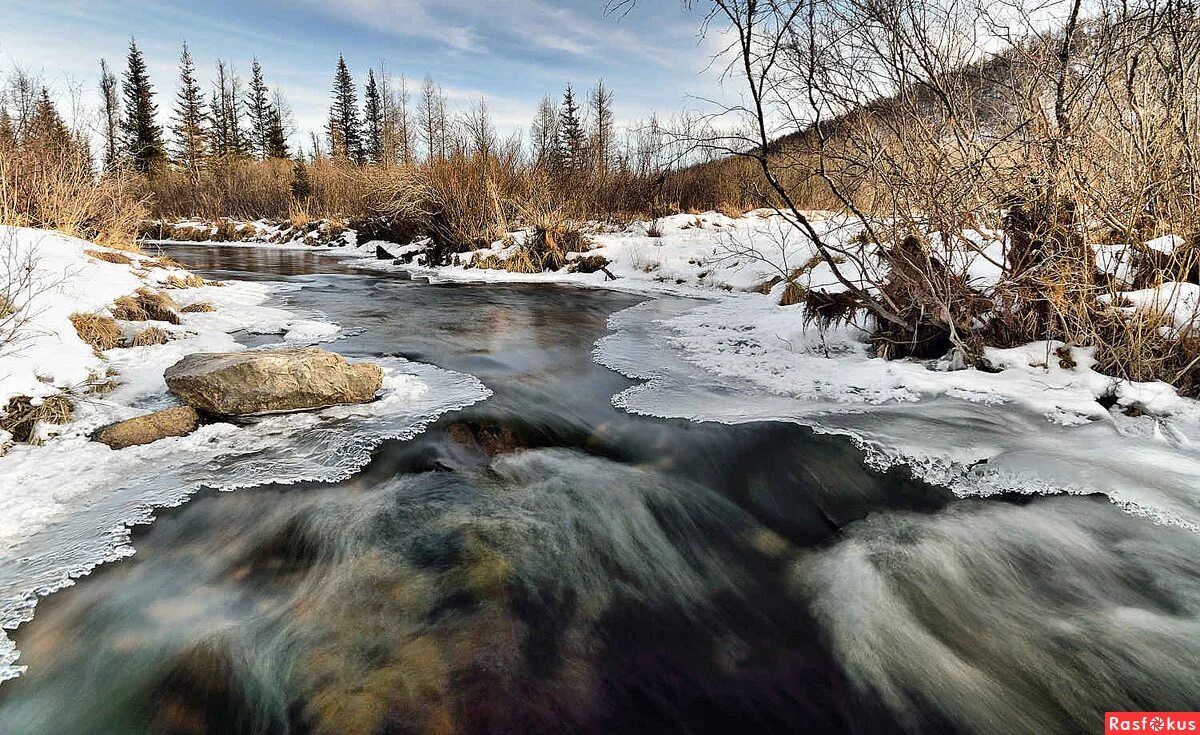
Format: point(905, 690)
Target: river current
point(542, 561)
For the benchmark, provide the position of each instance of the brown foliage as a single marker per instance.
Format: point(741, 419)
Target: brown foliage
point(151, 336)
point(101, 332)
point(54, 188)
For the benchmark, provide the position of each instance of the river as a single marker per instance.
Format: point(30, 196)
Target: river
point(544, 562)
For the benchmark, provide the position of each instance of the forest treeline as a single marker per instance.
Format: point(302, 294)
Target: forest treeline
point(396, 153)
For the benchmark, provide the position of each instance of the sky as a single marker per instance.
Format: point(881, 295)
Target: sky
point(511, 52)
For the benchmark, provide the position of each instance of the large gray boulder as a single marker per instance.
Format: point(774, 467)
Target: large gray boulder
point(179, 421)
point(259, 381)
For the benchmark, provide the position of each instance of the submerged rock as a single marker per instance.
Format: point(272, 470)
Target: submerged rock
point(239, 383)
point(179, 421)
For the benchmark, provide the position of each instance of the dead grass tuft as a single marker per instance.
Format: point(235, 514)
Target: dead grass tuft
point(109, 257)
point(1145, 346)
point(793, 293)
point(191, 280)
point(128, 309)
point(101, 332)
point(200, 307)
point(21, 416)
point(146, 305)
point(162, 262)
point(151, 336)
point(158, 305)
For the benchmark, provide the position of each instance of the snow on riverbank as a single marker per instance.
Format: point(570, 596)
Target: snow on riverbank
point(1043, 421)
point(66, 505)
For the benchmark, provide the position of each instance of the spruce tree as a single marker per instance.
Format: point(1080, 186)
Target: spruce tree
point(190, 121)
point(277, 146)
point(345, 130)
point(141, 135)
point(258, 110)
point(301, 182)
point(46, 129)
point(570, 133)
point(373, 117)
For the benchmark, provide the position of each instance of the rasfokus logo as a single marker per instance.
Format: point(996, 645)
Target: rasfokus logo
point(1151, 722)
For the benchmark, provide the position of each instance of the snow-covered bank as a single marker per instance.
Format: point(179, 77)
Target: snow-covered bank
point(1043, 421)
point(67, 502)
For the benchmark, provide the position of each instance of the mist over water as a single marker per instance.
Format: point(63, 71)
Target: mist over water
point(545, 562)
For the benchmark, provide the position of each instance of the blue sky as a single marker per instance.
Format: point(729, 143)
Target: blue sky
point(510, 51)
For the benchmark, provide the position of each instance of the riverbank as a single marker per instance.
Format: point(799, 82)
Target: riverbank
point(69, 501)
point(1040, 419)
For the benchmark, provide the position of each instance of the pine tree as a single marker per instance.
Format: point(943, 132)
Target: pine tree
point(258, 110)
point(46, 129)
point(373, 119)
point(190, 122)
point(301, 182)
point(141, 135)
point(277, 146)
point(570, 133)
point(345, 130)
point(110, 111)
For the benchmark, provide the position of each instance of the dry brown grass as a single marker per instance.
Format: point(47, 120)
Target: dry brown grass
point(21, 415)
point(151, 336)
point(793, 293)
point(162, 262)
point(128, 309)
point(200, 307)
point(191, 280)
point(101, 332)
point(54, 188)
point(1145, 346)
point(109, 257)
point(146, 305)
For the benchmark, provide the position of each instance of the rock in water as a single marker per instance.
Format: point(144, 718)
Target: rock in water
point(179, 421)
point(259, 381)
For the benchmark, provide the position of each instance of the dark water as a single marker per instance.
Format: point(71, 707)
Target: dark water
point(542, 562)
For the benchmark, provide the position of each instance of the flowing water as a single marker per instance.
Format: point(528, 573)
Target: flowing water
point(544, 562)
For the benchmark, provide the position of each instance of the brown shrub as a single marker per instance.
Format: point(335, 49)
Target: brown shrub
point(109, 257)
point(53, 187)
point(151, 336)
point(101, 332)
point(1145, 346)
point(200, 307)
point(21, 416)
